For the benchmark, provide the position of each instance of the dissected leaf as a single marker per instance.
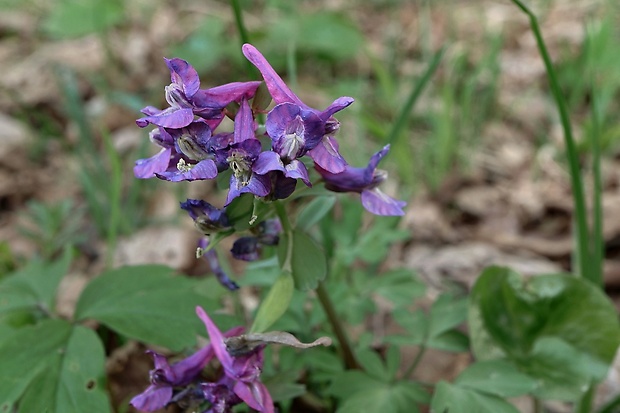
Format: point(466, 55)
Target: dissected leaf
point(360, 392)
point(146, 303)
point(34, 286)
point(451, 398)
point(307, 260)
point(60, 370)
point(497, 377)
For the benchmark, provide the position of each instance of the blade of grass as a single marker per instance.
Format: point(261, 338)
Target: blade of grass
point(243, 34)
point(114, 196)
point(579, 204)
point(597, 194)
point(417, 90)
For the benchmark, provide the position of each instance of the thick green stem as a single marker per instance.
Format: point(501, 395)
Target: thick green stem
point(347, 350)
point(571, 151)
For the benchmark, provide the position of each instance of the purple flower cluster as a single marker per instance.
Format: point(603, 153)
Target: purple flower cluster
point(238, 383)
point(192, 150)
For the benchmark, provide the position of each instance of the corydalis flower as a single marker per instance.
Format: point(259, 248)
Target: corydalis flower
point(207, 218)
point(186, 154)
point(241, 374)
point(186, 99)
point(294, 127)
point(365, 181)
point(165, 377)
point(265, 233)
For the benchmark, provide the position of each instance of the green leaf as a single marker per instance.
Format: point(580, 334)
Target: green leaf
point(314, 211)
point(283, 386)
point(450, 398)
point(497, 377)
point(563, 372)
point(145, 303)
point(275, 303)
point(34, 286)
point(361, 393)
point(331, 34)
point(451, 340)
point(60, 370)
point(558, 329)
point(399, 286)
point(446, 313)
point(307, 259)
point(239, 212)
point(73, 18)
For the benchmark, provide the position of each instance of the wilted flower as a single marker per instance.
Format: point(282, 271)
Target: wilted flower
point(365, 181)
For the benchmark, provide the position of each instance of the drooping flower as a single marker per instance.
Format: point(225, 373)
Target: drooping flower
point(242, 373)
point(207, 218)
point(294, 127)
point(214, 263)
point(186, 100)
point(365, 181)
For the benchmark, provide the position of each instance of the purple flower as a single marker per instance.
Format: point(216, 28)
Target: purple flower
point(265, 233)
point(164, 378)
point(294, 127)
point(160, 162)
point(242, 373)
point(366, 182)
point(241, 157)
point(186, 154)
point(186, 99)
point(207, 218)
point(214, 264)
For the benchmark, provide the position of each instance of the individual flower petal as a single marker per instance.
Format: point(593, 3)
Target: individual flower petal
point(152, 399)
point(336, 106)
point(255, 395)
point(217, 341)
point(378, 203)
point(183, 74)
point(268, 161)
point(158, 163)
point(205, 169)
point(244, 123)
point(173, 118)
point(276, 86)
point(219, 97)
point(297, 170)
point(326, 155)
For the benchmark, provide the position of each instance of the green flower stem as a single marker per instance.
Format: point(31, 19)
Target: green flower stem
point(347, 350)
point(324, 299)
point(585, 403)
point(571, 150)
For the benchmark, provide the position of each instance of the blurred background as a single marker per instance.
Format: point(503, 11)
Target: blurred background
point(457, 87)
